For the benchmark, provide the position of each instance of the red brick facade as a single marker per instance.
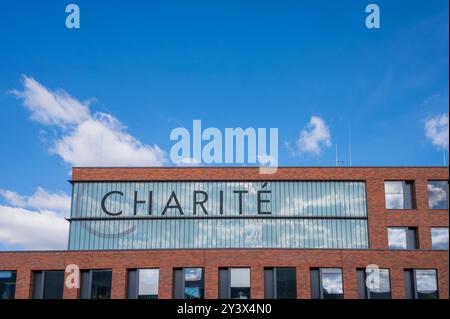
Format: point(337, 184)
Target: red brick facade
point(349, 260)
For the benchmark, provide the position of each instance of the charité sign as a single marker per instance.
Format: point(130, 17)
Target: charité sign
point(190, 202)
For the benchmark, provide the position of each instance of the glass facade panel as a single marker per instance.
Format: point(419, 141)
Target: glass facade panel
point(397, 237)
point(399, 194)
point(148, 283)
point(7, 284)
point(101, 284)
point(240, 283)
point(286, 283)
point(177, 215)
point(439, 238)
point(331, 283)
point(193, 283)
point(379, 286)
point(438, 194)
point(53, 284)
point(426, 284)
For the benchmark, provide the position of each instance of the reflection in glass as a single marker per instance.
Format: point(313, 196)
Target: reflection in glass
point(379, 286)
point(286, 283)
point(426, 284)
point(331, 283)
point(438, 194)
point(240, 283)
point(53, 284)
point(397, 237)
point(148, 283)
point(398, 194)
point(439, 238)
point(7, 284)
point(193, 283)
point(101, 284)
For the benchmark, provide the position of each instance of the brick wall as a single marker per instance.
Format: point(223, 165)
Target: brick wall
point(378, 218)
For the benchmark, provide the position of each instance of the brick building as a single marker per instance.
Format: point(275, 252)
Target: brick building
point(234, 233)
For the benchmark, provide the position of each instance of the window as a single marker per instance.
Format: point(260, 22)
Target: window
point(96, 284)
point(326, 283)
point(7, 284)
point(439, 238)
point(374, 284)
point(48, 284)
point(421, 284)
point(438, 194)
point(402, 238)
point(188, 283)
point(399, 194)
point(234, 283)
point(143, 283)
point(280, 283)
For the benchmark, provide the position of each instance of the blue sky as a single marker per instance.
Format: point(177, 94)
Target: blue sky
point(136, 70)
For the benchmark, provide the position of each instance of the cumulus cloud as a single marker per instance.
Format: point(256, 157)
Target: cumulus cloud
point(86, 138)
point(436, 129)
point(314, 137)
point(40, 200)
point(34, 222)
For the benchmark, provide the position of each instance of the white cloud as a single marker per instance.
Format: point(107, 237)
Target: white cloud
point(314, 137)
point(40, 200)
point(86, 139)
point(51, 108)
point(34, 222)
point(101, 140)
point(436, 129)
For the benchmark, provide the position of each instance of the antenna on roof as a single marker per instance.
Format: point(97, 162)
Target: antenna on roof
point(338, 162)
point(349, 145)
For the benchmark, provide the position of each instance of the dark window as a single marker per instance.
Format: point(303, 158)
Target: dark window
point(421, 284)
point(399, 194)
point(143, 283)
point(326, 283)
point(7, 284)
point(48, 284)
point(188, 283)
point(374, 284)
point(438, 194)
point(234, 283)
point(402, 238)
point(280, 283)
point(439, 238)
point(96, 284)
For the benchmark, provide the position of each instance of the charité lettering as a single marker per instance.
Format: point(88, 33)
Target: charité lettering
point(200, 198)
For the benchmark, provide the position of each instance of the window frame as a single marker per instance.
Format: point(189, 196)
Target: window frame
point(431, 234)
point(367, 290)
point(404, 197)
point(321, 290)
point(448, 194)
point(13, 275)
point(416, 292)
point(407, 229)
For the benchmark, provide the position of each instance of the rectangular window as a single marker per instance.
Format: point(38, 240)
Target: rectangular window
point(7, 284)
point(96, 284)
point(188, 283)
point(280, 283)
point(374, 284)
point(399, 194)
point(438, 195)
point(402, 238)
point(48, 284)
point(421, 284)
point(234, 283)
point(439, 238)
point(327, 283)
point(143, 283)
